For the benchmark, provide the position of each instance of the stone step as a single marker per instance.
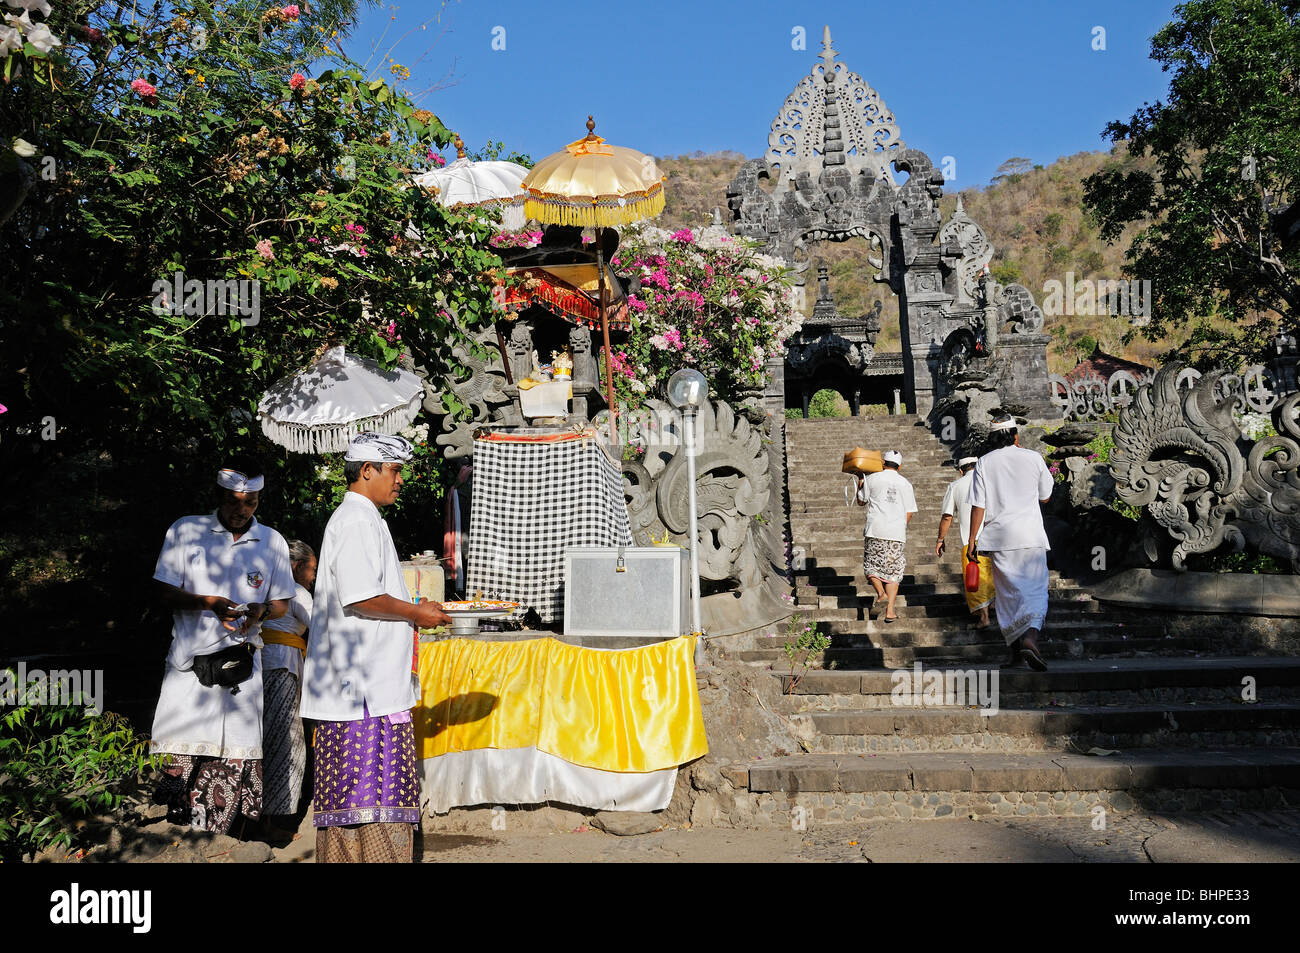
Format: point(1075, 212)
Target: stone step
point(926, 581)
point(953, 607)
point(827, 596)
point(1060, 632)
point(1270, 676)
point(1049, 772)
point(945, 729)
point(1065, 626)
point(976, 654)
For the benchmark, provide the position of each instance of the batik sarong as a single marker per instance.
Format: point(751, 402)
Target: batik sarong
point(1020, 584)
point(366, 844)
point(884, 559)
point(365, 772)
point(210, 794)
point(983, 594)
point(284, 749)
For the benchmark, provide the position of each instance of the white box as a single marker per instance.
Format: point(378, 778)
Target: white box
point(548, 399)
point(649, 598)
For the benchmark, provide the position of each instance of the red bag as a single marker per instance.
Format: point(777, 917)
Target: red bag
point(972, 575)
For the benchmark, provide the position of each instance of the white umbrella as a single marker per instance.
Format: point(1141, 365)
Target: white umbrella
point(320, 409)
point(478, 185)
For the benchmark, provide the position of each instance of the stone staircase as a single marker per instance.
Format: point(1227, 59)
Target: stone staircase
point(1182, 727)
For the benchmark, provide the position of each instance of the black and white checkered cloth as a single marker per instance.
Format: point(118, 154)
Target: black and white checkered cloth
point(533, 501)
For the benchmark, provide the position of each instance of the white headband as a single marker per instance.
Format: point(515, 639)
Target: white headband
point(1008, 424)
point(965, 460)
point(371, 447)
point(234, 480)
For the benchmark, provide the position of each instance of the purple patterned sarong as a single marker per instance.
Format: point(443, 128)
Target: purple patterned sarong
point(366, 772)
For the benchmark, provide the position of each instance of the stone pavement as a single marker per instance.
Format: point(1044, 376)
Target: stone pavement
point(1240, 837)
point(1141, 837)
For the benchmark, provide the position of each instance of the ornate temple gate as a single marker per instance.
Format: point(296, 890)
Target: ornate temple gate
point(832, 153)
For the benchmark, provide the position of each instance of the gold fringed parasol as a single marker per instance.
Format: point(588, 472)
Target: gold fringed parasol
point(591, 184)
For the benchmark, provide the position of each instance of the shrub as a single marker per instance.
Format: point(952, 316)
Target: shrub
point(61, 764)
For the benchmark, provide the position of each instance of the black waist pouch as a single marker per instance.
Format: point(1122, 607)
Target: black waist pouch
point(226, 668)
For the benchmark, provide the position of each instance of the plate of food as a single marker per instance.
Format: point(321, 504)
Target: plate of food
point(478, 606)
point(466, 614)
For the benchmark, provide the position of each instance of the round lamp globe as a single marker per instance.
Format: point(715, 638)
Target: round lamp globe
point(687, 389)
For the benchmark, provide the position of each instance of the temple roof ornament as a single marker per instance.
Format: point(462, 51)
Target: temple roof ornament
point(833, 118)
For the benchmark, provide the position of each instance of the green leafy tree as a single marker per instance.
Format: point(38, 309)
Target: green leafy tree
point(827, 403)
point(1014, 169)
point(1226, 146)
point(226, 144)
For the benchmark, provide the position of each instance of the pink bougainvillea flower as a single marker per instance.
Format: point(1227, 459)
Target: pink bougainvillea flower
point(685, 236)
point(291, 11)
point(143, 88)
point(297, 81)
point(264, 249)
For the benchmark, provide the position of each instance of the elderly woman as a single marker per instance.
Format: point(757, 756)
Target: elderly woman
point(285, 751)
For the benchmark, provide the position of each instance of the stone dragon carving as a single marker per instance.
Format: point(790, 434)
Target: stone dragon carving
point(480, 389)
point(1179, 454)
point(733, 485)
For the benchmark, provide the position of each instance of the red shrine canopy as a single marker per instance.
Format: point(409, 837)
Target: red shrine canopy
point(569, 291)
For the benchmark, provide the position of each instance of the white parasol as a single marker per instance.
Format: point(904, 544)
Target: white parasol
point(320, 409)
point(467, 184)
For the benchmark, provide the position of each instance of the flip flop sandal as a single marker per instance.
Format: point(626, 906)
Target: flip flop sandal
point(1033, 659)
point(891, 619)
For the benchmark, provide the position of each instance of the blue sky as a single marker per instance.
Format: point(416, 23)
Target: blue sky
point(976, 81)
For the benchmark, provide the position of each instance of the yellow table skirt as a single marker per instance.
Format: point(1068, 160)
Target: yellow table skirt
point(632, 710)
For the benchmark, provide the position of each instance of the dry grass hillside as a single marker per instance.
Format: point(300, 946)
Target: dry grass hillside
point(1035, 220)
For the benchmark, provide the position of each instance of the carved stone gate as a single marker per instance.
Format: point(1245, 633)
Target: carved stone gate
point(829, 171)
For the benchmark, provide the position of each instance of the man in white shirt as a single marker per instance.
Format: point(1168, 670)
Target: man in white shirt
point(222, 575)
point(890, 505)
point(956, 505)
point(357, 679)
point(1007, 525)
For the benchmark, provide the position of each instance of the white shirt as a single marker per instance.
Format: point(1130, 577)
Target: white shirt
point(1009, 483)
point(354, 663)
point(889, 499)
point(296, 621)
point(201, 556)
point(955, 503)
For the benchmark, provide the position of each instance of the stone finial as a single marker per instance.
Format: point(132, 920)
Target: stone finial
point(819, 128)
point(827, 54)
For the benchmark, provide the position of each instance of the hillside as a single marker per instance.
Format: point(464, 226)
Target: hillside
point(1035, 221)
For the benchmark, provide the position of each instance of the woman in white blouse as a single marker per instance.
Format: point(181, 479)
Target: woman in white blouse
point(283, 744)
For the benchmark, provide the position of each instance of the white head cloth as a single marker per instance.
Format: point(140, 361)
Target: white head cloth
point(892, 456)
point(371, 447)
point(1008, 424)
point(234, 480)
point(965, 460)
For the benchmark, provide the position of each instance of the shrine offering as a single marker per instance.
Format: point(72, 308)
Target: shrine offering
point(862, 461)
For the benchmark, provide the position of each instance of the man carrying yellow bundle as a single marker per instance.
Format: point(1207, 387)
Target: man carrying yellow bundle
point(955, 504)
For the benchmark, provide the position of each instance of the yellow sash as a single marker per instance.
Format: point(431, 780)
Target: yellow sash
point(279, 637)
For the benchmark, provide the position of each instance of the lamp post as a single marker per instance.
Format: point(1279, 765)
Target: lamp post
point(687, 391)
